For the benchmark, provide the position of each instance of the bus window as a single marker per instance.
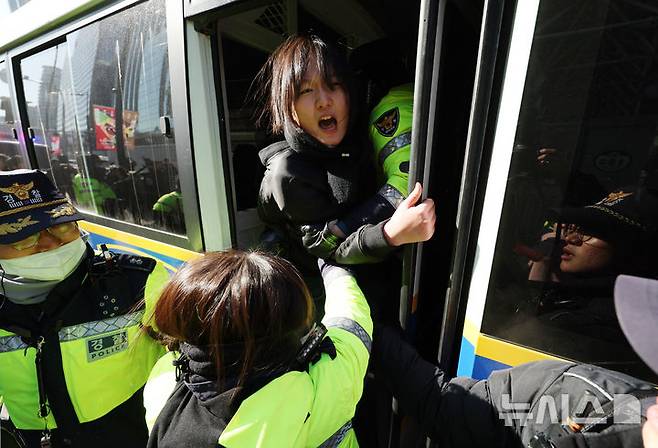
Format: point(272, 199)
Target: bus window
point(51, 111)
point(583, 167)
point(11, 157)
point(96, 104)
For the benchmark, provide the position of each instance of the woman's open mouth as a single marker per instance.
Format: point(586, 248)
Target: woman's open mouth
point(328, 123)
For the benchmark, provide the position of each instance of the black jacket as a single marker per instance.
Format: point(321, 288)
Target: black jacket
point(464, 412)
point(78, 299)
point(307, 183)
point(197, 411)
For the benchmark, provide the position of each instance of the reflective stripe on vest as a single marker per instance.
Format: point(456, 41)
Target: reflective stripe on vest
point(11, 343)
point(391, 194)
point(100, 326)
point(338, 436)
point(84, 330)
point(351, 326)
point(393, 145)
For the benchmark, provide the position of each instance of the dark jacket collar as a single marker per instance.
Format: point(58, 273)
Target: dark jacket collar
point(200, 375)
point(311, 147)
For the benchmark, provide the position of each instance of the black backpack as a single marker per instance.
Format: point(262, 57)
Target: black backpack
point(581, 405)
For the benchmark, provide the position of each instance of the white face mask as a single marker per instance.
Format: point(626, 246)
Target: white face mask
point(54, 264)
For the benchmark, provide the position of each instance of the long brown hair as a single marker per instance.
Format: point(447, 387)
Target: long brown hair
point(254, 301)
point(279, 80)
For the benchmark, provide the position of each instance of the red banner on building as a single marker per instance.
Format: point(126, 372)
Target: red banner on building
point(105, 126)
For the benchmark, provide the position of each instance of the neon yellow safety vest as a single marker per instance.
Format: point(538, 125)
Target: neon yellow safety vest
point(90, 193)
point(314, 408)
point(105, 362)
point(390, 132)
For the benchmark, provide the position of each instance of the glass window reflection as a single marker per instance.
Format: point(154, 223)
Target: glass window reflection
point(11, 157)
point(95, 104)
point(582, 190)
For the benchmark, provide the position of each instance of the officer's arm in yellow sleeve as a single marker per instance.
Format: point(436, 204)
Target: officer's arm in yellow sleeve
point(338, 382)
point(154, 285)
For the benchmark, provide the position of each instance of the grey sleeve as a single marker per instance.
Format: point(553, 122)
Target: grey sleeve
point(367, 245)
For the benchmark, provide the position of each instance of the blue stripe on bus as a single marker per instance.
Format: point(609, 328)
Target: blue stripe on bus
point(466, 358)
point(95, 240)
point(473, 365)
point(483, 367)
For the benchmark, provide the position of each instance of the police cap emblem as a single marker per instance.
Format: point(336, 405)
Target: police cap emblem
point(614, 198)
point(21, 191)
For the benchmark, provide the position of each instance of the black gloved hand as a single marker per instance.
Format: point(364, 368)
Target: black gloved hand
point(319, 240)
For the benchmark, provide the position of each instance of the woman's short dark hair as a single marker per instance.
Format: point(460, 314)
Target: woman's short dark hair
point(254, 302)
point(279, 80)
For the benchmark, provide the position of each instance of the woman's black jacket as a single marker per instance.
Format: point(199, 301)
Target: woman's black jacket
point(307, 183)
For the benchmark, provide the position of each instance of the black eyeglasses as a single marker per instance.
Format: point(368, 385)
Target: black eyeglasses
point(575, 231)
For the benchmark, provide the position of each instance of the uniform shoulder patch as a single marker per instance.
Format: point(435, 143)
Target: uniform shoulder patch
point(387, 123)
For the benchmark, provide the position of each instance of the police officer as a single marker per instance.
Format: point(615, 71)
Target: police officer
point(74, 350)
point(168, 211)
point(277, 384)
point(92, 191)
